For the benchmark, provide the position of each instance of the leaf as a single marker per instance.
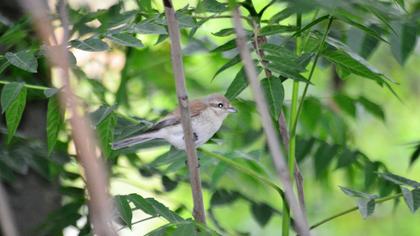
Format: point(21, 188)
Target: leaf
point(105, 131)
point(224, 32)
point(411, 198)
point(346, 158)
point(50, 92)
point(91, 45)
point(346, 103)
point(14, 113)
point(305, 146)
point(323, 157)
point(225, 47)
point(9, 93)
point(149, 28)
point(274, 93)
point(368, 30)
point(415, 155)
point(24, 60)
point(275, 29)
point(124, 209)
point(281, 15)
point(222, 197)
point(404, 41)
point(399, 180)
point(168, 184)
point(164, 212)
point(211, 6)
point(185, 20)
point(235, 60)
point(372, 107)
point(54, 122)
point(281, 52)
point(261, 212)
point(354, 193)
point(366, 207)
point(285, 71)
point(126, 39)
point(142, 204)
point(238, 84)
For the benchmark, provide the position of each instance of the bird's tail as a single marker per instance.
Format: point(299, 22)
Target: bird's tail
point(128, 142)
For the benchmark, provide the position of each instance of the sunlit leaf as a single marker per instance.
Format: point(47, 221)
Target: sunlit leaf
point(149, 28)
point(124, 209)
point(211, 6)
point(126, 39)
point(235, 60)
point(224, 32)
point(225, 47)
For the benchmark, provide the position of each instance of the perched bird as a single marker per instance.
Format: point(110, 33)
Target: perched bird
point(207, 115)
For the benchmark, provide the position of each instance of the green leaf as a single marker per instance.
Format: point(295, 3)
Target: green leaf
point(126, 39)
point(372, 107)
point(149, 28)
point(225, 47)
point(237, 86)
point(366, 206)
point(305, 146)
point(235, 60)
point(14, 113)
point(50, 92)
point(224, 32)
point(275, 29)
point(186, 229)
point(211, 6)
point(346, 158)
point(354, 193)
point(415, 155)
point(323, 157)
point(54, 122)
point(399, 180)
point(9, 93)
point(91, 44)
point(283, 14)
point(185, 20)
point(274, 93)
point(368, 30)
point(279, 51)
point(164, 212)
point(105, 129)
point(222, 197)
point(24, 60)
point(142, 204)
point(346, 103)
point(168, 184)
point(404, 41)
point(286, 65)
point(261, 212)
point(285, 71)
point(124, 209)
point(411, 198)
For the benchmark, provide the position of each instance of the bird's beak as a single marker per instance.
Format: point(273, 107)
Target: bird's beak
point(232, 110)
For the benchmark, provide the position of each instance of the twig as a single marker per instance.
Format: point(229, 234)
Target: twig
point(178, 69)
point(273, 142)
point(82, 134)
point(6, 217)
point(345, 212)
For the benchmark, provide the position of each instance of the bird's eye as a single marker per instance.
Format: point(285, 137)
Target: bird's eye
point(220, 105)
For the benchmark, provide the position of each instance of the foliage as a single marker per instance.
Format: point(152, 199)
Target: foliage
point(240, 166)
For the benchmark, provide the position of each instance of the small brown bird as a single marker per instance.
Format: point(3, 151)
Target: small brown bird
point(207, 115)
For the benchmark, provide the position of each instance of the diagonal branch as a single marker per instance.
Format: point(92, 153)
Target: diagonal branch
point(178, 69)
point(273, 142)
point(82, 133)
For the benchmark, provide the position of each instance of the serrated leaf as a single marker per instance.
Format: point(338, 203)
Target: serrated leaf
point(354, 193)
point(283, 70)
point(54, 122)
point(235, 60)
point(280, 51)
point(149, 28)
point(124, 209)
point(404, 41)
point(164, 212)
point(126, 39)
point(91, 44)
point(24, 60)
point(399, 180)
point(276, 29)
point(366, 206)
point(105, 129)
point(14, 113)
point(372, 107)
point(237, 86)
point(142, 204)
point(274, 94)
point(261, 212)
point(9, 93)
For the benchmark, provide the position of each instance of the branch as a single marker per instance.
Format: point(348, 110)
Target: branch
point(82, 134)
point(178, 69)
point(6, 217)
point(273, 142)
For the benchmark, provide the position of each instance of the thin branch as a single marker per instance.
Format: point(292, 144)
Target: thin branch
point(82, 134)
point(178, 69)
point(273, 142)
point(345, 212)
point(6, 217)
point(29, 86)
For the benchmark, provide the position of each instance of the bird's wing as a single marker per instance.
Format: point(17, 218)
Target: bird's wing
point(174, 118)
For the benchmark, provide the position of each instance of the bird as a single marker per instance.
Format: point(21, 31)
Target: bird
point(207, 115)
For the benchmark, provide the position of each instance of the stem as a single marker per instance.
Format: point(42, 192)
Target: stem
point(179, 76)
point(345, 212)
point(267, 123)
point(305, 90)
point(30, 86)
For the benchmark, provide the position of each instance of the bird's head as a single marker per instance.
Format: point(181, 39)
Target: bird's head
point(220, 104)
